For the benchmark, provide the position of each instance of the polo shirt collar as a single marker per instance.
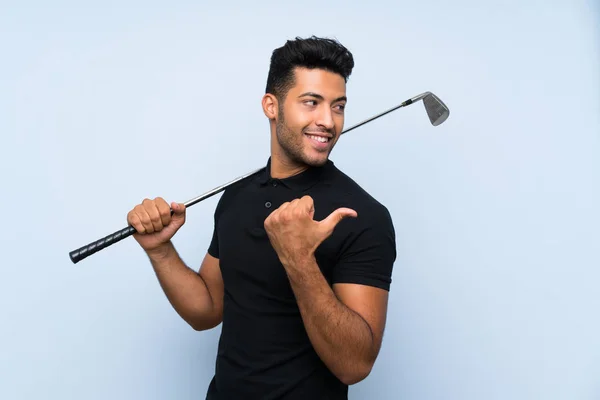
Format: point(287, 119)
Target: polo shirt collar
point(302, 181)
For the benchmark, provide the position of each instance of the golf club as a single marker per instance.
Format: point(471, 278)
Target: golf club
point(436, 111)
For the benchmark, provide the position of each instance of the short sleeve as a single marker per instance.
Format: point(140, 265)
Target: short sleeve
point(213, 247)
point(367, 257)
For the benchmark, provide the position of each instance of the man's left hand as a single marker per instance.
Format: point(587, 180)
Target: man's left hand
point(295, 235)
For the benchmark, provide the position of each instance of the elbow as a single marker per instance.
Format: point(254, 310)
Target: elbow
point(197, 327)
point(356, 375)
point(203, 324)
point(202, 319)
point(200, 326)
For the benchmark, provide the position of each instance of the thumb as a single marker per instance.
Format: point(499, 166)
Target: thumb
point(178, 209)
point(329, 223)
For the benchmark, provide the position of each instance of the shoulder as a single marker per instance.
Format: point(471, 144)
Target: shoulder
point(235, 191)
point(358, 198)
point(373, 226)
point(365, 245)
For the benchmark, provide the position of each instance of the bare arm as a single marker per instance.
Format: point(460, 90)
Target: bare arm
point(196, 296)
point(345, 324)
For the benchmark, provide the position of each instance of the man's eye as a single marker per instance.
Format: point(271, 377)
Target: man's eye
point(311, 102)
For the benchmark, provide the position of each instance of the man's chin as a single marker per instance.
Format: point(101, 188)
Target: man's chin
point(316, 160)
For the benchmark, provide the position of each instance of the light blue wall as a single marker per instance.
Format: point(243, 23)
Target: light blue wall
point(497, 212)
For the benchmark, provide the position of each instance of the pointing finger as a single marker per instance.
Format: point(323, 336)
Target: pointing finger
point(329, 223)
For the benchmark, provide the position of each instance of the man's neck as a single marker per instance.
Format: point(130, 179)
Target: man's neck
point(283, 168)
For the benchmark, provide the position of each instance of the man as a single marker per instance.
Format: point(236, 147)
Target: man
point(300, 262)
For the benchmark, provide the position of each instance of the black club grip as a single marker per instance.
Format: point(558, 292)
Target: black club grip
point(88, 250)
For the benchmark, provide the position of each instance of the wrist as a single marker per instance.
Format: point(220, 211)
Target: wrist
point(296, 258)
point(161, 252)
point(301, 264)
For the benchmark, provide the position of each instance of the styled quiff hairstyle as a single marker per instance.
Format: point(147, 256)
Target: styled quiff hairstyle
point(313, 52)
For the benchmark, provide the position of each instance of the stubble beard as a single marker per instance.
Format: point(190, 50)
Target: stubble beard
point(292, 144)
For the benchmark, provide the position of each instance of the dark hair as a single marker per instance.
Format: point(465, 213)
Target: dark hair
point(313, 52)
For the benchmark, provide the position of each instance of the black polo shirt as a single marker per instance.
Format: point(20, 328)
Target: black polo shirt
point(264, 351)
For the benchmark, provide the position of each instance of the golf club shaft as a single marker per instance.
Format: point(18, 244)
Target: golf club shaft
point(89, 249)
point(219, 189)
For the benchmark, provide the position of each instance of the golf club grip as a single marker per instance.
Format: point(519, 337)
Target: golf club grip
point(94, 247)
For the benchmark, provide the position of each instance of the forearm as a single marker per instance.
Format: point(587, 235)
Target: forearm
point(340, 336)
point(185, 289)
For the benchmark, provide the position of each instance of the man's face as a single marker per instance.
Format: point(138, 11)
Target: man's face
point(311, 118)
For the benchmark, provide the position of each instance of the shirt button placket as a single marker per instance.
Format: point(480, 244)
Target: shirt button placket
point(268, 204)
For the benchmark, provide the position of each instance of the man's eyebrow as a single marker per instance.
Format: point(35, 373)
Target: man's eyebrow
point(318, 96)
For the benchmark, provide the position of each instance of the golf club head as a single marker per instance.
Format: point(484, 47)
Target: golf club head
point(436, 109)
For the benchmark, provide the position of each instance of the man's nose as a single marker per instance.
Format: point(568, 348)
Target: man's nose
point(325, 118)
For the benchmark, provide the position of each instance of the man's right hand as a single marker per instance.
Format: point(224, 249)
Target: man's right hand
point(154, 223)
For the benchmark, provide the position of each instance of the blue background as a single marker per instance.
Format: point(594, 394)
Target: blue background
point(495, 291)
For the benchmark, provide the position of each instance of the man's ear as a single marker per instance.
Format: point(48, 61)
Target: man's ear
point(270, 106)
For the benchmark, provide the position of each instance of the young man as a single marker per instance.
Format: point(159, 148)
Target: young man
point(300, 262)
